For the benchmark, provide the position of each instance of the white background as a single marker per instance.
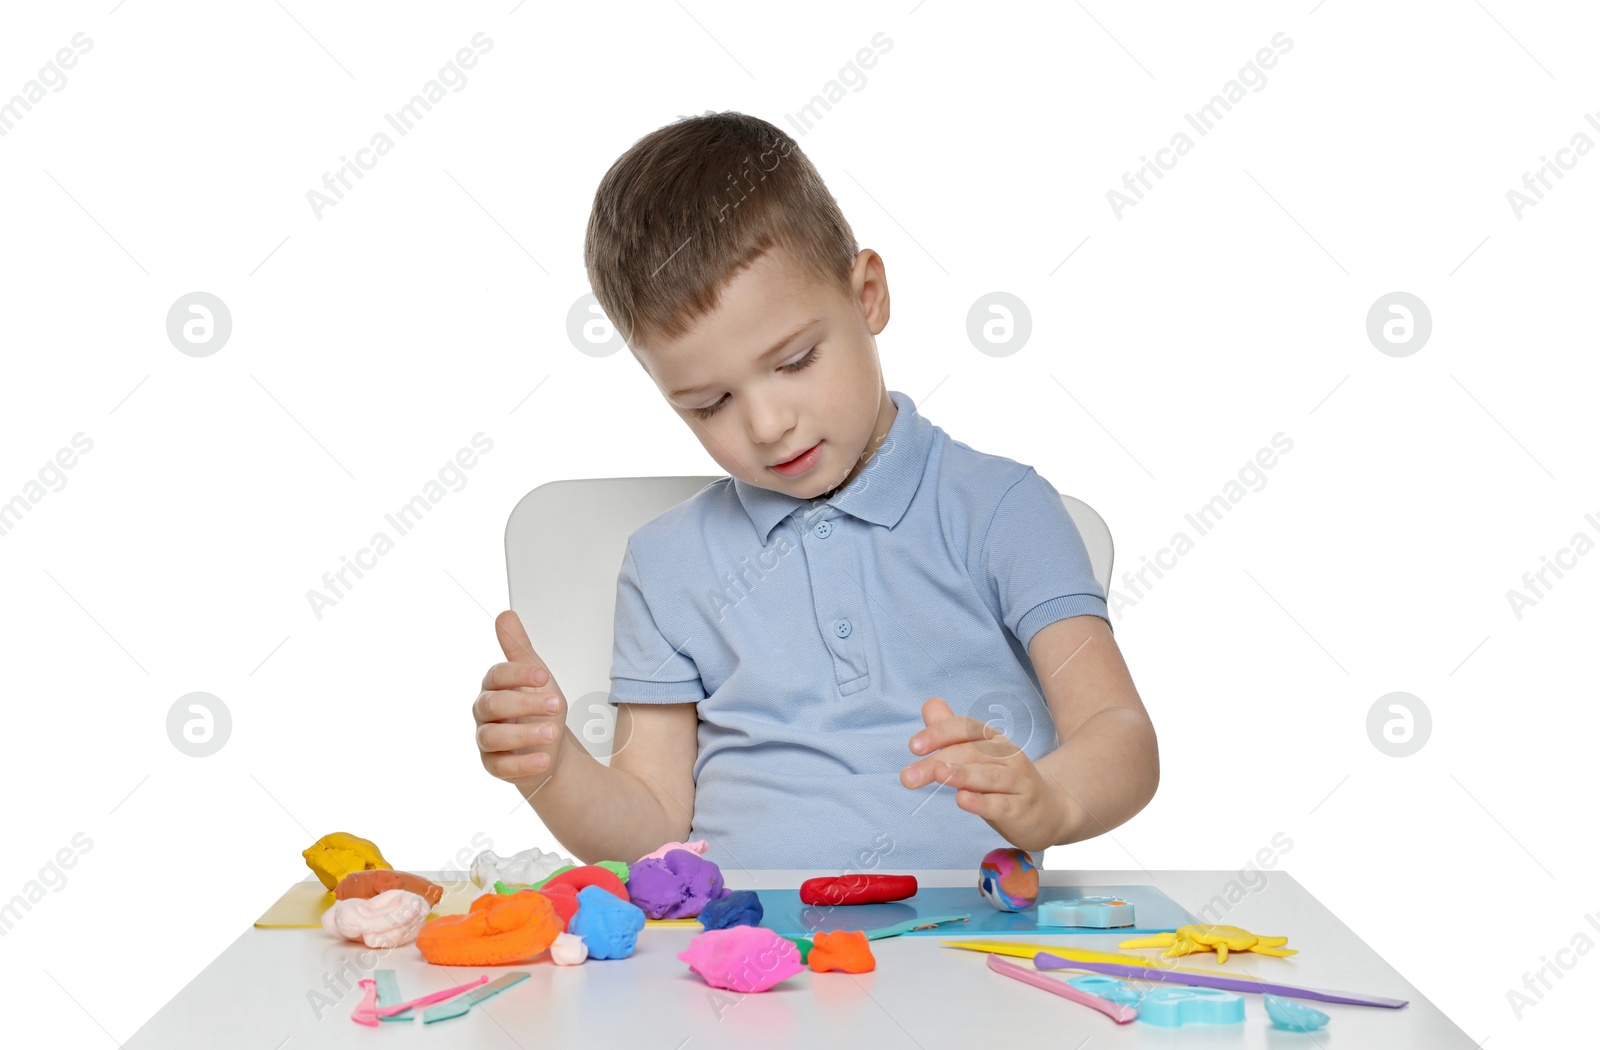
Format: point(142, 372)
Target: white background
point(370, 344)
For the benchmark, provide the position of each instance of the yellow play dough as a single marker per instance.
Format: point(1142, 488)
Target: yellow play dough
point(336, 855)
point(1219, 939)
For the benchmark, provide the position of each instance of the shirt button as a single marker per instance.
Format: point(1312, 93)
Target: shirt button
point(822, 529)
point(842, 628)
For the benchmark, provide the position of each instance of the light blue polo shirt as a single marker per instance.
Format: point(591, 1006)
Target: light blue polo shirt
point(810, 632)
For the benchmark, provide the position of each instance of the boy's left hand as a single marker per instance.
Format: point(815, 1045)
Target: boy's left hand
point(992, 776)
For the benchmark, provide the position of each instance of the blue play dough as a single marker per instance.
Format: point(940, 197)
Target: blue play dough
point(738, 908)
point(608, 924)
point(1296, 1017)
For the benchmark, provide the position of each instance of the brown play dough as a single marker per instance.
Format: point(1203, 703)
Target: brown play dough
point(368, 884)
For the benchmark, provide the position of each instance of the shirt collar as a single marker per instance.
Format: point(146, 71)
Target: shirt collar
point(879, 494)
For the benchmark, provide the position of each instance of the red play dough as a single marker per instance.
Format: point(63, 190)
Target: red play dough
point(589, 875)
point(857, 889)
point(565, 901)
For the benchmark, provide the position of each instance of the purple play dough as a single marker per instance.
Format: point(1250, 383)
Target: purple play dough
point(675, 886)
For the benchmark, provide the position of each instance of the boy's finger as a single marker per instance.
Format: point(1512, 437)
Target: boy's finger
point(515, 676)
point(514, 640)
point(494, 737)
point(953, 729)
point(511, 705)
point(925, 771)
point(984, 777)
point(934, 709)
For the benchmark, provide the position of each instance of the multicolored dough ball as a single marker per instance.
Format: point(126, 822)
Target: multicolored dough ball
point(1008, 879)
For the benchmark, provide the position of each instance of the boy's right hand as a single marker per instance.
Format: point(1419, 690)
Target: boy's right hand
point(521, 713)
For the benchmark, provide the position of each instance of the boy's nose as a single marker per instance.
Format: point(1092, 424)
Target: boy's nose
point(769, 420)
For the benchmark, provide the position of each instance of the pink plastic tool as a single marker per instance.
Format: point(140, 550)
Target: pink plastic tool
point(368, 1011)
point(1116, 1011)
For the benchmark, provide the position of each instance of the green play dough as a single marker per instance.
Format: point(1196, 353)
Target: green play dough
point(803, 944)
point(615, 867)
point(540, 884)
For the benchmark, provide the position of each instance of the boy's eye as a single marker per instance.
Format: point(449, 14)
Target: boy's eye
point(711, 410)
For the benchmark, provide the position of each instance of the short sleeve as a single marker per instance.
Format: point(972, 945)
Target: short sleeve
point(1035, 562)
point(646, 668)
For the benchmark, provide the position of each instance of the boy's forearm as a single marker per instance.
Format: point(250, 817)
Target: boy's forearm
point(597, 812)
point(1106, 772)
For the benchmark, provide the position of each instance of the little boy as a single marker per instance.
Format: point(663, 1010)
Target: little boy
point(860, 589)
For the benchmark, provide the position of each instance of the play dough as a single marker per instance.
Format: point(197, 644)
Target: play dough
point(1220, 939)
point(845, 950)
point(738, 908)
point(365, 884)
point(337, 854)
point(529, 866)
point(697, 847)
point(588, 875)
point(1296, 1017)
point(496, 931)
point(742, 958)
point(804, 944)
point(607, 925)
point(1008, 879)
point(1096, 912)
point(568, 949)
point(387, 920)
point(857, 889)
point(564, 899)
point(675, 886)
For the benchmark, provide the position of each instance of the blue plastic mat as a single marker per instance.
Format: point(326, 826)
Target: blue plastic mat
point(784, 914)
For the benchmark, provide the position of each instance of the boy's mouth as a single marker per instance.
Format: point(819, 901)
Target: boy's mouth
point(793, 468)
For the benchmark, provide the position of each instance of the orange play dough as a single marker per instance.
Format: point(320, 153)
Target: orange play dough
point(500, 928)
point(844, 950)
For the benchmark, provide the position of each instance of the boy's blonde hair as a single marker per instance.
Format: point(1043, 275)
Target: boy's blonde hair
point(690, 205)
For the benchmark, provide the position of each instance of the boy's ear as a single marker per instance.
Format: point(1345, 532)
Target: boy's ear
point(871, 285)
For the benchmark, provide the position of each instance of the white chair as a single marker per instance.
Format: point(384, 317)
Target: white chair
point(564, 546)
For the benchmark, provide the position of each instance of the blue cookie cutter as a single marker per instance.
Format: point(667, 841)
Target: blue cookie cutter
point(1100, 913)
point(1168, 1007)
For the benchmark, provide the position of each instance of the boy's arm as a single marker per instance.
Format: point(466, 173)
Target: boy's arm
point(597, 812)
point(625, 810)
point(1107, 766)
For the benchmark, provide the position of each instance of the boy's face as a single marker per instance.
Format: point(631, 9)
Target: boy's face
point(782, 366)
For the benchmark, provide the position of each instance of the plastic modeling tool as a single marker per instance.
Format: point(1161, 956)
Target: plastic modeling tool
point(1198, 979)
point(369, 1013)
point(445, 1011)
point(1118, 1012)
point(389, 994)
point(1030, 949)
point(914, 924)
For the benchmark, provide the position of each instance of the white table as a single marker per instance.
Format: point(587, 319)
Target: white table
point(255, 995)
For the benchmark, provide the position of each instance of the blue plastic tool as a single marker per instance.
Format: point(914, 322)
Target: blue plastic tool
point(389, 994)
point(462, 1003)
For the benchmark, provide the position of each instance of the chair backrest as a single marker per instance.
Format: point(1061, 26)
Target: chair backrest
point(564, 546)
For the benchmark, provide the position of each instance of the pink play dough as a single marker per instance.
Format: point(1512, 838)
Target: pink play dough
point(697, 847)
point(742, 958)
point(390, 919)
